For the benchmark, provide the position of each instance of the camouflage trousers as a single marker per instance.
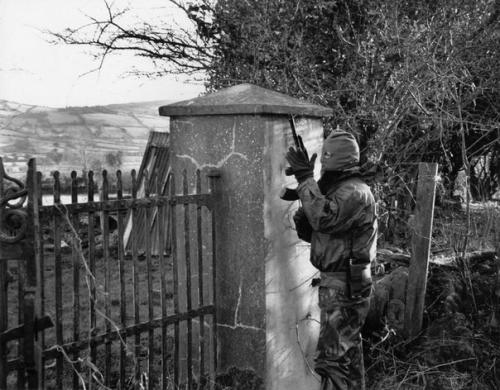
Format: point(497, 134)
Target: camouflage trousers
point(339, 359)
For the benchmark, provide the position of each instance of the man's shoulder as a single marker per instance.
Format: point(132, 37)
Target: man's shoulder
point(353, 188)
point(352, 184)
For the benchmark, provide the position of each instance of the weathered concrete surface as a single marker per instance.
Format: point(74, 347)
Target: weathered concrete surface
point(234, 144)
point(267, 314)
point(267, 311)
point(292, 313)
point(244, 99)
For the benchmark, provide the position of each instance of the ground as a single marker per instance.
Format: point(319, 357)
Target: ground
point(114, 299)
point(459, 346)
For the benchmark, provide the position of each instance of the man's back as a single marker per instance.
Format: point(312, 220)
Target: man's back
point(344, 223)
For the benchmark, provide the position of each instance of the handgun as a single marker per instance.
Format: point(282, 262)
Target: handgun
point(291, 194)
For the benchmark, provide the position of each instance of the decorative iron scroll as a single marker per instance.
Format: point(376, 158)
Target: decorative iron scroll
point(13, 220)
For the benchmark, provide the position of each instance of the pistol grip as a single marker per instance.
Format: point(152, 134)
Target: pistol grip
point(289, 194)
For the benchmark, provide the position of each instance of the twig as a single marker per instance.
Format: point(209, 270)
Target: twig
point(390, 332)
point(306, 318)
point(430, 369)
point(72, 363)
point(90, 282)
point(78, 248)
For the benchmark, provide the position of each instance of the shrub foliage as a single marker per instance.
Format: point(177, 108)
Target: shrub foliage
point(415, 80)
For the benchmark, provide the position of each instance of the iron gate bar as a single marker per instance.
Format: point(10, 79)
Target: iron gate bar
point(28, 364)
point(121, 275)
point(17, 332)
point(147, 224)
point(49, 354)
point(127, 204)
point(176, 281)
point(135, 277)
point(58, 277)
point(135, 270)
point(163, 289)
point(4, 369)
point(21, 271)
point(91, 255)
point(75, 221)
point(40, 249)
point(187, 256)
point(105, 247)
point(213, 177)
point(200, 275)
point(32, 304)
point(4, 303)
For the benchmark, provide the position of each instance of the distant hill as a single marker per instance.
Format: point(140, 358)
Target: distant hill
point(77, 138)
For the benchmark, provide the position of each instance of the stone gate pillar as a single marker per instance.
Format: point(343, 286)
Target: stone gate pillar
point(267, 314)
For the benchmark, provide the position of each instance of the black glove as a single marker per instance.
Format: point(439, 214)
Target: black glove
point(302, 225)
point(300, 165)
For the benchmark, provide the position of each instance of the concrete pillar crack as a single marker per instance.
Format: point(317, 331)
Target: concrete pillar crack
point(222, 161)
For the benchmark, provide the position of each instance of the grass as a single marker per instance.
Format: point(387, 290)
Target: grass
point(459, 346)
point(68, 310)
point(138, 356)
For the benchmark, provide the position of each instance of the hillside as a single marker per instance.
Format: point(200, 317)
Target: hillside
point(77, 138)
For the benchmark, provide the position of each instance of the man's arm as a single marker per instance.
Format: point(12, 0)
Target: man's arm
point(336, 215)
point(302, 225)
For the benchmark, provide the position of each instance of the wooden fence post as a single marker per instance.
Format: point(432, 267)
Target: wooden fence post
point(32, 348)
point(421, 244)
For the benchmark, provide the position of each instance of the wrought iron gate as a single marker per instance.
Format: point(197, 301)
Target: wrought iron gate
point(116, 290)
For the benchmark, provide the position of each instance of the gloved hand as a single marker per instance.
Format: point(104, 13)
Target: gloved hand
point(300, 165)
point(302, 225)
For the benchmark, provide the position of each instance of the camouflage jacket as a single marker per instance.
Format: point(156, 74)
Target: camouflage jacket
point(343, 223)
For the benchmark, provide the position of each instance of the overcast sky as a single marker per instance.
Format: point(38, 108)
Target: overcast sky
point(32, 71)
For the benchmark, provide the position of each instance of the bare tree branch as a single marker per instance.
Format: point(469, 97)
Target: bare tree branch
point(180, 50)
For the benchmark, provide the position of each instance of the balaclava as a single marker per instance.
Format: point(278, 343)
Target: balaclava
point(340, 152)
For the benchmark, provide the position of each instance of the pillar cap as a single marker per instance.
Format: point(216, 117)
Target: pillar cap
point(244, 99)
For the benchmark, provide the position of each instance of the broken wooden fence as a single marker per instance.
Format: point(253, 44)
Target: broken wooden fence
point(124, 313)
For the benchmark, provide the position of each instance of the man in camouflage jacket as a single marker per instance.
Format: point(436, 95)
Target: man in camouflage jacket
point(338, 217)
